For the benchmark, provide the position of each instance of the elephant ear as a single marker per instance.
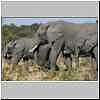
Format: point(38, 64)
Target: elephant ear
point(11, 44)
point(54, 31)
point(14, 44)
point(47, 26)
point(43, 28)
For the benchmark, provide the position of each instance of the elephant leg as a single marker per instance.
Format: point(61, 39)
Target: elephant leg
point(68, 61)
point(14, 61)
point(95, 52)
point(76, 57)
point(43, 54)
point(35, 57)
point(16, 58)
point(76, 63)
point(11, 68)
point(91, 56)
point(55, 51)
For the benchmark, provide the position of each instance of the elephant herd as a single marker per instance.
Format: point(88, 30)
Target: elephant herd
point(52, 38)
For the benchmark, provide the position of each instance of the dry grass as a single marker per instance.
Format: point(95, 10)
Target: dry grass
point(27, 72)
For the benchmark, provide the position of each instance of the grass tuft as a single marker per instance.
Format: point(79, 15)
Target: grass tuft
point(27, 72)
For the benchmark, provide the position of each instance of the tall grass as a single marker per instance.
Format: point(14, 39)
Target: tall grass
point(27, 72)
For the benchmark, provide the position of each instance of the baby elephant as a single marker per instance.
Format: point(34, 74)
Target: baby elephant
point(17, 49)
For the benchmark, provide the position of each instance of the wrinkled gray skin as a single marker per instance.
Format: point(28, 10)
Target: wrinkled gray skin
point(43, 55)
point(35, 48)
point(18, 49)
point(23, 48)
point(43, 50)
point(79, 38)
point(76, 39)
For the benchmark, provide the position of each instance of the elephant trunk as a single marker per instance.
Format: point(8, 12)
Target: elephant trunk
point(55, 51)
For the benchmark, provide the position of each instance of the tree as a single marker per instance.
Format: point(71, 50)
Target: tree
point(8, 33)
point(34, 27)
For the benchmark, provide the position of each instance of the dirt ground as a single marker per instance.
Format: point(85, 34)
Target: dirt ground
point(87, 71)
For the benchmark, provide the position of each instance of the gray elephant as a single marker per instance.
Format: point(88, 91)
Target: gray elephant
point(80, 39)
point(35, 48)
point(27, 48)
point(74, 38)
point(42, 49)
point(19, 48)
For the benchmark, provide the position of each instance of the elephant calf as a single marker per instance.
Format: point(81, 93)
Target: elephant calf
point(18, 49)
point(27, 48)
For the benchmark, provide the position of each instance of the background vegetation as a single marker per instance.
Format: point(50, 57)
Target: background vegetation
point(12, 31)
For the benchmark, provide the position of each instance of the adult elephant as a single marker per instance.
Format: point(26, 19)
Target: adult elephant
point(77, 39)
point(42, 47)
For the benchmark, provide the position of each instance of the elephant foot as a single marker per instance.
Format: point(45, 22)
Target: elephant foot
point(66, 68)
point(55, 68)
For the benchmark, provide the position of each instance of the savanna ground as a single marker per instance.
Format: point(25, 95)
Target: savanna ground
point(26, 72)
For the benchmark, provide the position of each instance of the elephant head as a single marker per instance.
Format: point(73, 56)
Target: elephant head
point(9, 49)
point(41, 33)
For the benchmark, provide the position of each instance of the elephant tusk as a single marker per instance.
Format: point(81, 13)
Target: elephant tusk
point(31, 50)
